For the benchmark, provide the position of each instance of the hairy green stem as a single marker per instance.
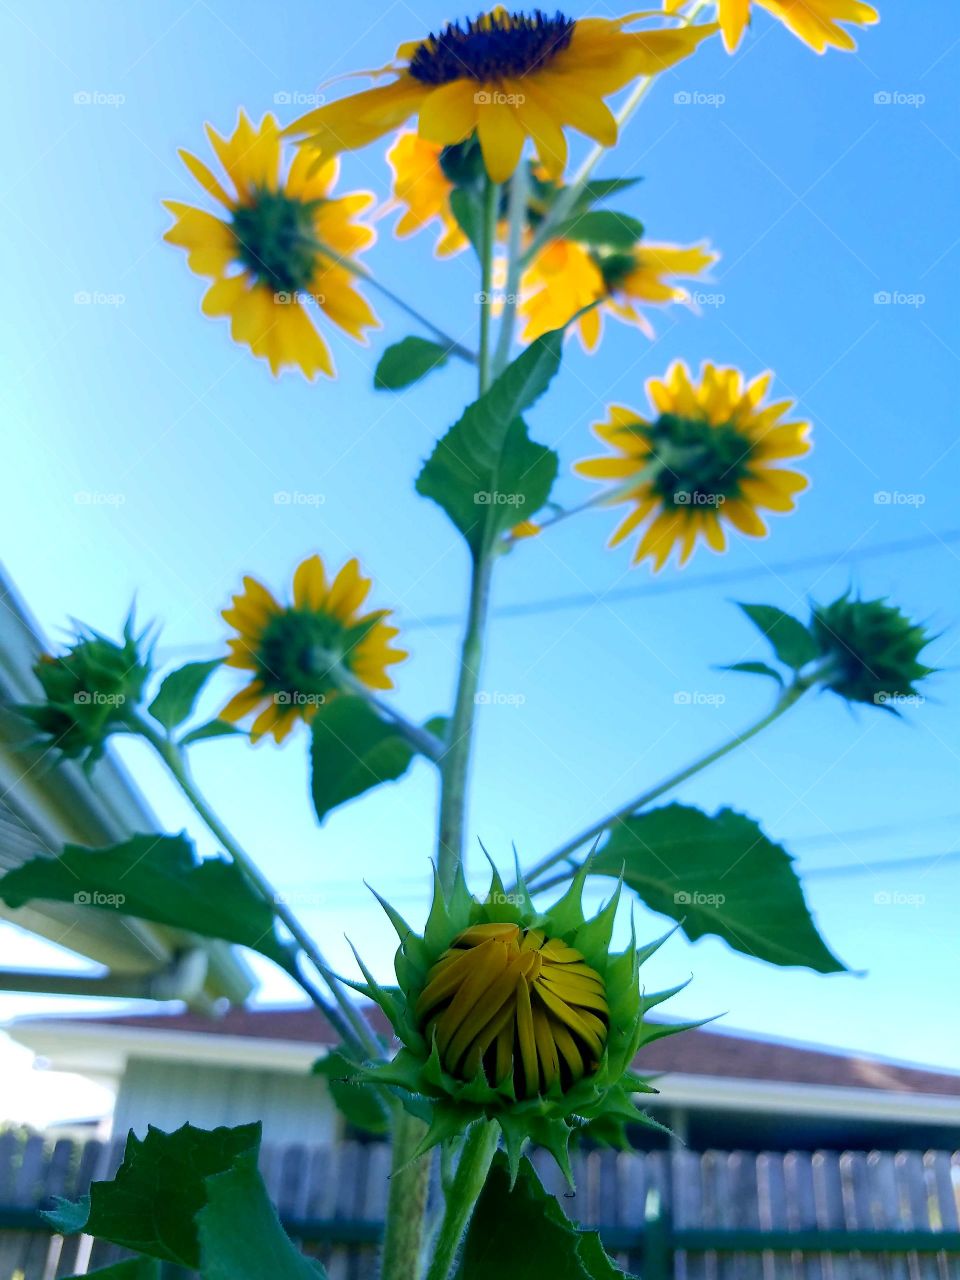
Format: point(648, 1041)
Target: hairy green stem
point(787, 699)
point(343, 1015)
point(455, 764)
point(478, 1152)
point(422, 740)
point(491, 204)
point(406, 1202)
point(516, 219)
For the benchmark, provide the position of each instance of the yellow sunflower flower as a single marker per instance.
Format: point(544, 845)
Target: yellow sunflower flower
point(423, 189)
point(565, 277)
point(815, 22)
point(279, 250)
point(296, 650)
point(709, 456)
point(509, 76)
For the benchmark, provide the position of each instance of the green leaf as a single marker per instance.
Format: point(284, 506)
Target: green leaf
point(603, 227)
point(523, 1233)
point(178, 694)
point(718, 875)
point(598, 189)
point(792, 642)
point(358, 1103)
point(407, 362)
point(156, 878)
point(485, 472)
point(132, 1269)
point(193, 1198)
point(212, 729)
point(240, 1234)
point(466, 205)
point(755, 669)
point(353, 749)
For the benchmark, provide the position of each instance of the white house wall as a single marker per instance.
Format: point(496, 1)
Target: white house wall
point(293, 1108)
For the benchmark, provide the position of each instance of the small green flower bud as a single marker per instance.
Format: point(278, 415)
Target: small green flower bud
point(872, 651)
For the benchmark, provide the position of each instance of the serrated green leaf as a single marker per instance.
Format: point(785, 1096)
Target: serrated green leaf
point(131, 1269)
point(791, 641)
point(352, 750)
point(485, 472)
point(755, 669)
point(466, 205)
point(178, 694)
point(523, 1233)
point(604, 228)
point(358, 1103)
point(718, 875)
point(407, 362)
point(212, 729)
point(156, 878)
point(241, 1237)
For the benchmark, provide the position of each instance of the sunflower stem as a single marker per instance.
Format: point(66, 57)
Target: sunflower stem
point(516, 218)
point(422, 740)
point(478, 1152)
point(406, 1202)
point(787, 699)
point(491, 204)
point(456, 762)
point(343, 1015)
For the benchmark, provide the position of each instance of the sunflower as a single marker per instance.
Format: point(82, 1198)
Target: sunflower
point(509, 76)
point(295, 651)
point(280, 249)
point(710, 455)
point(423, 188)
point(815, 22)
point(565, 277)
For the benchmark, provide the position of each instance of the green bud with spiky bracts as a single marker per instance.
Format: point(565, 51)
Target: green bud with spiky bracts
point(523, 1017)
point(90, 691)
point(872, 650)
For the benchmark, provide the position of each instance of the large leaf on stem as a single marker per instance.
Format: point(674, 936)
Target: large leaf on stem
point(718, 875)
point(158, 878)
point(486, 473)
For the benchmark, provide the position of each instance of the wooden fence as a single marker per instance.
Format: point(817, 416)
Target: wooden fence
point(711, 1216)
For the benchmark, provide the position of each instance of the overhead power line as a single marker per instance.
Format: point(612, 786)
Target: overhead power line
point(722, 578)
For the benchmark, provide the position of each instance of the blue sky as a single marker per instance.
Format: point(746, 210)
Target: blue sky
point(144, 451)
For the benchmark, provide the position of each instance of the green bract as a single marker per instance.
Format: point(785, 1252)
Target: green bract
point(874, 651)
point(90, 691)
point(537, 1096)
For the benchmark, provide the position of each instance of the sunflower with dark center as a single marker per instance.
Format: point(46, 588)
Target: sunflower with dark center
point(522, 1017)
point(297, 653)
point(278, 255)
point(509, 76)
point(710, 456)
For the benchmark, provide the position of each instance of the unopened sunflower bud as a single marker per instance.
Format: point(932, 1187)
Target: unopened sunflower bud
point(871, 651)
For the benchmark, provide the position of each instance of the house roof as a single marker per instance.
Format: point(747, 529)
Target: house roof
point(699, 1052)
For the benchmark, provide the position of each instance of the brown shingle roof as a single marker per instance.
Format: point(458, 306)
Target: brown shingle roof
point(699, 1052)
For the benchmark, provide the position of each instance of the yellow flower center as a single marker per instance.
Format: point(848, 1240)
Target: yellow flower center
point(505, 1002)
point(491, 47)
